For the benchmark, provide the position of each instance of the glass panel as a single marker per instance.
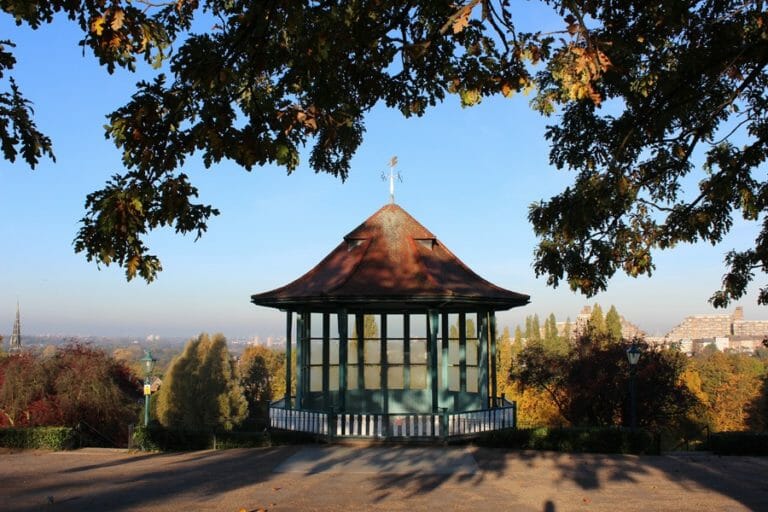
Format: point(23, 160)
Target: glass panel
point(418, 351)
point(471, 325)
point(352, 377)
point(370, 327)
point(453, 378)
point(352, 352)
point(395, 377)
point(372, 351)
point(334, 351)
point(316, 378)
point(395, 352)
point(394, 326)
point(453, 352)
point(334, 325)
point(472, 379)
point(471, 353)
point(333, 378)
point(453, 322)
point(372, 376)
point(316, 352)
point(418, 326)
point(418, 377)
point(316, 325)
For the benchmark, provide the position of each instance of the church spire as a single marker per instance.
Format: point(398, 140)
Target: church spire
point(14, 344)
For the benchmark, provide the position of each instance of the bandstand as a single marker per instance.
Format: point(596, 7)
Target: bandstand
point(394, 338)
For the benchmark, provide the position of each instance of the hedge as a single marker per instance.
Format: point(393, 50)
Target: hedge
point(575, 439)
point(739, 443)
point(48, 438)
point(158, 438)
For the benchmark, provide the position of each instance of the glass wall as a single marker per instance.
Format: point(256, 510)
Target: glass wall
point(398, 362)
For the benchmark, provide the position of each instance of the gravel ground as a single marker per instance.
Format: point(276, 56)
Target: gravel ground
point(391, 478)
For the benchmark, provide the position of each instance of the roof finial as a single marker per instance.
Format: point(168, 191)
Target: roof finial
point(392, 174)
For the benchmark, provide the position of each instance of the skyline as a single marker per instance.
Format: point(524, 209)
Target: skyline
point(468, 176)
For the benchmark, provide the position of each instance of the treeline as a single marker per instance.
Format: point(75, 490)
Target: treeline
point(84, 387)
point(559, 379)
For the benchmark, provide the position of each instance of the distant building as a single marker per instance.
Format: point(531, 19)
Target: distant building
point(14, 344)
point(579, 326)
point(726, 332)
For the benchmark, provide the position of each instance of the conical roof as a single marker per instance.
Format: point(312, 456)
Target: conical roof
point(390, 262)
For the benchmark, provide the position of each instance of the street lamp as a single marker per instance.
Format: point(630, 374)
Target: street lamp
point(148, 364)
point(633, 356)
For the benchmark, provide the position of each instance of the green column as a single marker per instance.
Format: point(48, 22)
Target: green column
point(483, 356)
point(432, 319)
point(444, 363)
point(343, 355)
point(463, 352)
point(299, 360)
point(307, 351)
point(384, 366)
point(406, 351)
point(494, 352)
point(326, 361)
point(288, 342)
point(360, 328)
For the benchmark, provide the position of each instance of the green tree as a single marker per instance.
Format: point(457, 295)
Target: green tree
point(553, 342)
point(683, 79)
point(613, 325)
point(262, 376)
point(567, 330)
point(200, 390)
point(588, 385)
point(596, 328)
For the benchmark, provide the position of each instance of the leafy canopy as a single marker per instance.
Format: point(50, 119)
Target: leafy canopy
point(643, 89)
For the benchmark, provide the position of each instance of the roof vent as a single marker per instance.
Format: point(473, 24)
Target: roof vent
point(427, 243)
point(353, 242)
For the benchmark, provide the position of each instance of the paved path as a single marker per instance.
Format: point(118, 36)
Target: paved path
point(316, 477)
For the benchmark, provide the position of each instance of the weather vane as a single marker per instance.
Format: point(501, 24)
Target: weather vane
point(392, 175)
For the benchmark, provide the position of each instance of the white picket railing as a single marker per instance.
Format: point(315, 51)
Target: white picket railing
point(379, 426)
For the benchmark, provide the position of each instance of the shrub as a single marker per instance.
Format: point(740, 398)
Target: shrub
point(48, 438)
point(739, 443)
point(159, 438)
point(581, 439)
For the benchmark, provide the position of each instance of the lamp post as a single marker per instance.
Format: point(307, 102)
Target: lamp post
point(148, 363)
point(633, 356)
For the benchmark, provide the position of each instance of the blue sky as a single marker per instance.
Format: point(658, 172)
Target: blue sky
point(469, 176)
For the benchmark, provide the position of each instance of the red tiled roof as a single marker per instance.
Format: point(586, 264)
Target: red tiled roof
point(390, 262)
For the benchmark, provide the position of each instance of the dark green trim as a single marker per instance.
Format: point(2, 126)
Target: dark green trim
point(288, 327)
point(463, 352)
point(384, 365)
point(299, 360)
point(494, 355)
point(482, 362)
point(432, 319)
point(360, 328)
point(444, 357)
point(343, 356)
point(407, 351)
point(326, 361)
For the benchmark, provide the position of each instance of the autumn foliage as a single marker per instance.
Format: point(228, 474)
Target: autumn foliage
point(76, 385)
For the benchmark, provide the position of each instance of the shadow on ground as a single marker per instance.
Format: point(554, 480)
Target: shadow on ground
point(380, 478)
